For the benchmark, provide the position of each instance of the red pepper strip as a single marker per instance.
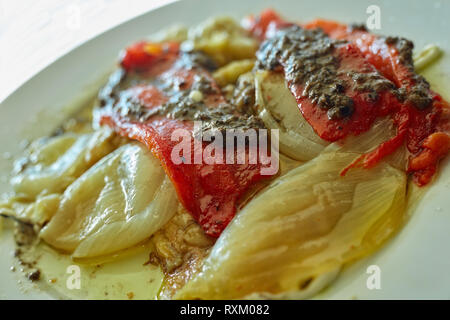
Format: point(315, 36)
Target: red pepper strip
point(364, 115)
point(365, 111)
point(370, 159)
point(210, 192)
point(264, 25)
point(413, 125)
point(422, 124)
point(386, 59)
point(383, 56)
point(143, 55)
point(423, 165)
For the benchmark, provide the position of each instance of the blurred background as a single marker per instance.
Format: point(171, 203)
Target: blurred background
point(35, 33)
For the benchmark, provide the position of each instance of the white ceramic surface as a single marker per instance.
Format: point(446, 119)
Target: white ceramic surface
point(415, 264)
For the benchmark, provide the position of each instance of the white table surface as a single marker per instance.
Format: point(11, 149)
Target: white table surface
point(35, 33)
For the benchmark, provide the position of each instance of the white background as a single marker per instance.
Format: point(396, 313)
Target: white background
point(35, 33)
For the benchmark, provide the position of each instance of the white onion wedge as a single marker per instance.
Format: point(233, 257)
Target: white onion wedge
point(278, 110)
point(50, 165)
point(120, 201)
point(306, 223)
point(56, 162)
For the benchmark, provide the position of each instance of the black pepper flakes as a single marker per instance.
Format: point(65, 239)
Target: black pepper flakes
point(181, 106)
point(419, 94)
point(34, 275)
point(309, 59)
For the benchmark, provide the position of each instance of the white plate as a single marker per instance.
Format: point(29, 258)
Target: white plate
point(415, 264)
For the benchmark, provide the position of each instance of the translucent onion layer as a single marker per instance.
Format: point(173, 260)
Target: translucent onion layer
point(120, 201)
point(306, 223)
point(278, 109)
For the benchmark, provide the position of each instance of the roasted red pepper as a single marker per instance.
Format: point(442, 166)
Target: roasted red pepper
point(417, 120)
point(263, 25)
point(210, 192)
point(422, 124)
point(142, 55)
